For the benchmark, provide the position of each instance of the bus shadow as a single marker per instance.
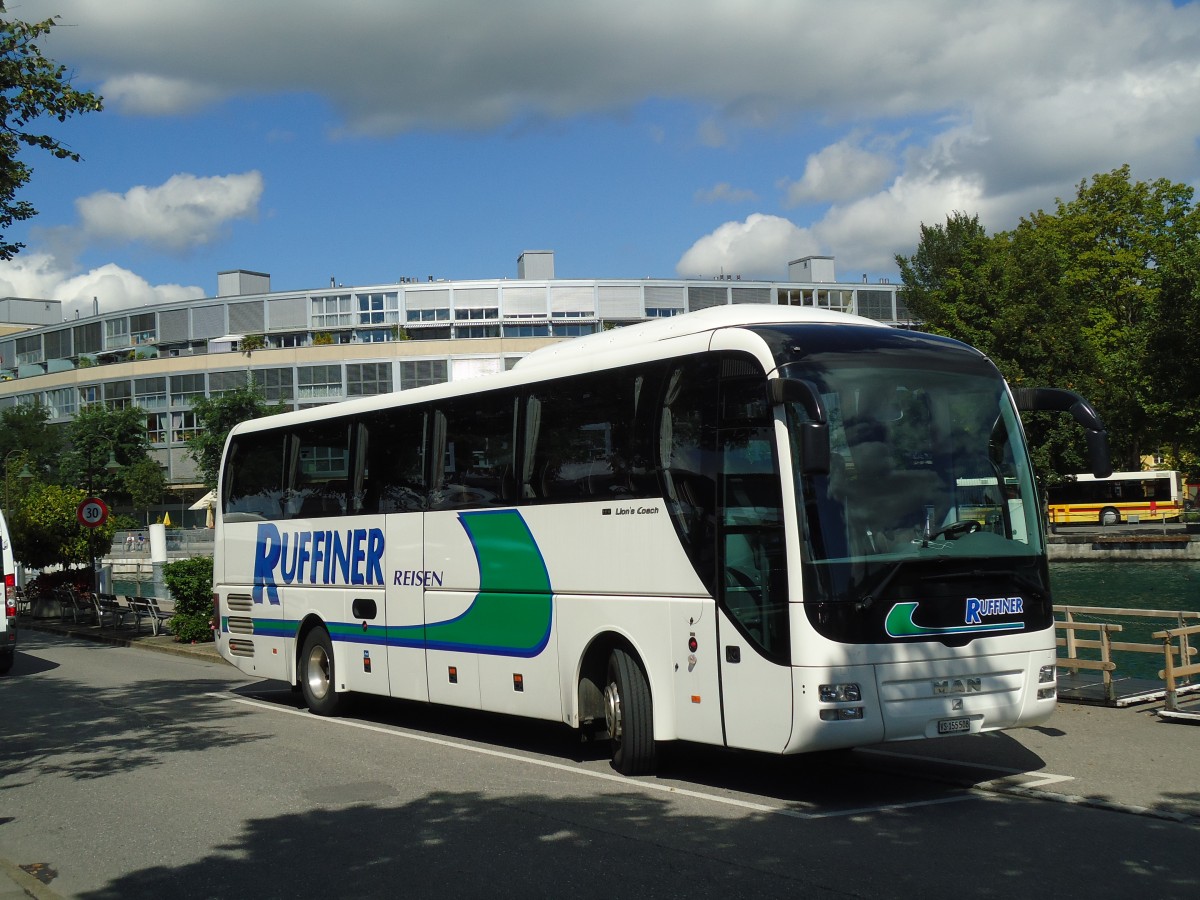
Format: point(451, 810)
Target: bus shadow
point(895, 774)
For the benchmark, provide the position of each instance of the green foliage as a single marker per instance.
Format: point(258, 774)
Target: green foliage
point(26, 428)
point(145, 482)
point(322, 338)
point(96, 432)
point(45, 530)
point(216, 416)
point(253, 342)
point(31, 87)
point(190, 582)
point(1101, 297)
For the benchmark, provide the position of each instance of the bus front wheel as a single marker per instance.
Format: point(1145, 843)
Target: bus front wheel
point(316, 674)
point(628, 713)
point(1110, 516)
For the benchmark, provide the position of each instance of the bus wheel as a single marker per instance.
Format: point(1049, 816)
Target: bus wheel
point(316, 673)
point(628, 713)
point(1110, 516)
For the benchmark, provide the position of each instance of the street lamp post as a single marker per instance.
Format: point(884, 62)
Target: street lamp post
point(110, 467)
point(24, 474)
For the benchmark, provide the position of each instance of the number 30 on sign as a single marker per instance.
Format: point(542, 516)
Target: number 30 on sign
point(92, 512)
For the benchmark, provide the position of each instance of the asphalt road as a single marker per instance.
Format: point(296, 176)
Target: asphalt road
point(127, 773)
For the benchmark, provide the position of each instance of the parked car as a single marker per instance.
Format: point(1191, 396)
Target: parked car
point(8, 622)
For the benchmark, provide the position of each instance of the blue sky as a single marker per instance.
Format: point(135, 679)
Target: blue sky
point(370, 140)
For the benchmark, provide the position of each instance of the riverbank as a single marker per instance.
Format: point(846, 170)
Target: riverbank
point(1148, 542)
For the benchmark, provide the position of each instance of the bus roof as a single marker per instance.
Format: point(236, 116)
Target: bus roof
point(689, 323)
point(579, 355)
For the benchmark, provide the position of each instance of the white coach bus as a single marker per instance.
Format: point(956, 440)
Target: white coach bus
point(742, 526)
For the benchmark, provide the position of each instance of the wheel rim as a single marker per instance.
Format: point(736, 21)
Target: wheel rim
point(612, 711)
point(317, 672)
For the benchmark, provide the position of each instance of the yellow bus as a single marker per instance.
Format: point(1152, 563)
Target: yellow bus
point(1121, 497)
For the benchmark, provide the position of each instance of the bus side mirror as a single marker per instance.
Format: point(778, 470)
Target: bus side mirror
point(1059, 400)
point(813, 435)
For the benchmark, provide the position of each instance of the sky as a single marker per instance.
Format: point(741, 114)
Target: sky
point(366, 141)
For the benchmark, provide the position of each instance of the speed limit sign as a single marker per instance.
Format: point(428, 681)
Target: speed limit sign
point(92, 512)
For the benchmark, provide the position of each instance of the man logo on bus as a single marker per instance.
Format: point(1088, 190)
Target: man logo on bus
point(354, 556)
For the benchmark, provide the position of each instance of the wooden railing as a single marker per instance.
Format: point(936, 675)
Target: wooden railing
point(1175, 642)
point(1097, 639)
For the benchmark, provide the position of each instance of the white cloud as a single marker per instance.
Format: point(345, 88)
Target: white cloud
point(43, 275)
point(185, 211)
point(839, 172)
point(759, 247)
point(155, 95)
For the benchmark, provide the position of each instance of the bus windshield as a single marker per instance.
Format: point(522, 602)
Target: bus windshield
point(928, 477)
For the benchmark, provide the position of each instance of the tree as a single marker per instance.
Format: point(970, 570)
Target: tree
point(215, 417)
point(46, 531)
point(145, 482)
point(31, 87)
point(1089, 298)
point(27, 428)
point(190, 582)
point(96, 432)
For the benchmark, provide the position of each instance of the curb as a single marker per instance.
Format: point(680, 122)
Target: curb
point(207, 652)
point(25, 882)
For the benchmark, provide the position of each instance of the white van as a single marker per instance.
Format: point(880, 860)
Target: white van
point(8, 622)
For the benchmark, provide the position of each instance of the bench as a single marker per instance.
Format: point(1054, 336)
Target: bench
point(108, 605)
point(148, 608)
point(78, 608)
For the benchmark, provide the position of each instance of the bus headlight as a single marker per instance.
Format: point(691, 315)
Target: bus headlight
point(1046, 675)
point(840, 693)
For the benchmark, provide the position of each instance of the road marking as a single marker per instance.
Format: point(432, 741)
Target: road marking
point(588, 773)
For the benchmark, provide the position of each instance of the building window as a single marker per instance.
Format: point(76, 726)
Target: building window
point(29, 350)
point(378, 309)
point(117, 394)
point(573, 329)
point(661, 312)
point(116, 334)
point(156, 428)
point(89, 395)
point(277, 385)
point(422, 372)
point(332, 312)
point(542, 330)
point(466, 315)
point(319, 382)
point(299, 339)
point(62, 402)
point(183, 426)
point(368, 379)
point(429, 315)
point(150, 393)
point(373, 335)
point(186, 388)
point(142, 329)
point(477, 331)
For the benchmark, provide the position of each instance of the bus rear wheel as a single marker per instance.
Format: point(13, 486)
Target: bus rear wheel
point(317, 675)
point(629, 715)
point(1110, 516)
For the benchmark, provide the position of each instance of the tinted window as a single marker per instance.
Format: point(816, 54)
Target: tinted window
point(590, 438)
point(392, 449)
point(475, 435)
point(254, 475)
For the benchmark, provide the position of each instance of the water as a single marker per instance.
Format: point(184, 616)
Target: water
point(1130, 585)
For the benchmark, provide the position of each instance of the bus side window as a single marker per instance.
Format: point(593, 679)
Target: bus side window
point(391, 445)
point(477, 452)
point(581, 440)
point(321, 476)
point(254, 476)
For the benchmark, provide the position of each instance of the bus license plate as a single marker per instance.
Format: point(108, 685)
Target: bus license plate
point(953, 726)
